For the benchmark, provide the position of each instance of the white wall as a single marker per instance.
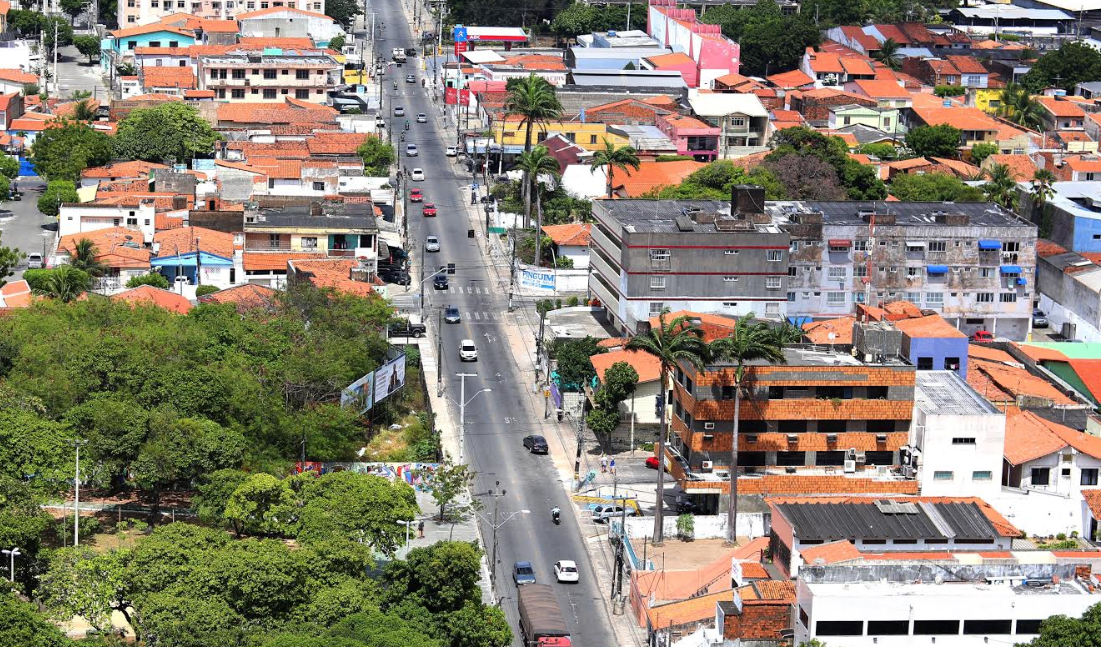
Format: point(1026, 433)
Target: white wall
point(643, 403)
point(75, 219)
point(577, 253)
point(934, 434)
point(750, 524)
point(1057, 315)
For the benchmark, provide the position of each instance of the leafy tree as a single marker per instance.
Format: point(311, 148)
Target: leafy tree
point(22, 523)
point(882, 151)
point(1042, 190)
point(181, 620)
point(26, 21)
point(57, 193)
point(378, 156)
point(771, 41)
point(36, 450)
point(170, 131)
point(573, 365)
point(670, 342)
point(715, 181)
point(9, 259)
point(533, 100)
point(30, 89)
point(448, 482)
point(478, 625)
point(64, 34)
point(861, 182)
point(115, 427)
point(751, 341)
point(888, 54)
point(215, 493)
point(981, 151)
point(603, 422)
point(580, 18)
point(64, 283)
point(343, 11)
point(949, 90)
point(80, 582)
point(83, 257)
point(806, 177)
point(73, 8)
point(360, 507)
point(620, 380)
point(83, 111)
point(9, 167)
point(261, 579)
point(348, 597)
point(1018, 105)
point(204, 290)
point(62, 152)
point(1064, 631)
point(1002, 187)
point(537, 163)
point(155, 279)
point(611, 158)
point(336, 43)
point(934, 187)
point(441, 578)
point(261, 504)
point(934, 141)
point(22, 625)
point(1066, 67)
point(126, 69)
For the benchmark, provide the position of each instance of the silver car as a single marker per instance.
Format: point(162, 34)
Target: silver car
point(431, 244)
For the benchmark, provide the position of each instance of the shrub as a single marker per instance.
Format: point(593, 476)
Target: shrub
point(204, 290)
point(949, 90)
point(572, 302)
point(686, 527)
point(154, 279)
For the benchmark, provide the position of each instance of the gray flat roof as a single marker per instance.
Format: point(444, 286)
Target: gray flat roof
point(905, 213)
point(336, 216)
point(659, 216)
point(618, 52)
point(810, 355)
point(945, 392)
point(831, 521)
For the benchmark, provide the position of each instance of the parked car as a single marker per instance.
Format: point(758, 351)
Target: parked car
point(422, 118)
point(411, 151)
point(429, 210)
point(399, 111)
point(982, 336)
point(400, 277)
point(468, 352)
point(652, 462)
point(440, 282)
point(451, 151)
point(536, 444)
point(415, 195)
point(431, 244)
point(451, 315)
point(1039, 319)
point(406, 328)
point(565, 570)
point(523, 573)
point(604, 512)
point(35, 262)
point(418, 174)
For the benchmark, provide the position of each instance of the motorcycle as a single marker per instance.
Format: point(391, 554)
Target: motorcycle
point(556, 515)
point(403, 137)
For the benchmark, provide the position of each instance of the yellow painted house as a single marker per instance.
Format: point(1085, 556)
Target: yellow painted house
point(987, 99)
point(590, 136)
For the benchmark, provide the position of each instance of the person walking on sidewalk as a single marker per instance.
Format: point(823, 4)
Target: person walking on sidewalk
point(420, 528)
point(611, 466)
point(603, 464)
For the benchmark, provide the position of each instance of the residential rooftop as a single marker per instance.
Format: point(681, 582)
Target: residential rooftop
point(921, 214)
point(332, 215)
point(946, 393)
point(809, 355)
point(887, 519)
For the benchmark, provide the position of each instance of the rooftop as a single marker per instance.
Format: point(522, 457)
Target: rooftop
point(332, 216)
point(808, 355)
point(661, 216)
point(149, 295)
point(946, 393)
point(905, 213)
point(646, 365)
point(830, 331)
point(572, 234)
point(887, 519)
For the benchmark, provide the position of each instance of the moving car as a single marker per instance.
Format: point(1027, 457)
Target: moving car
point(399, 111)
point(565, 570)
point(451, 151)
point(422, 118)
point(409, 78)
point(431, 244)
point(536, 444)
point(440, 282)
point(982, 336)
point(652, 462)
point(411, 151)
point(451, 315)
point(523, 573)
point(1039, 319)
point(418, 174)
point(406, 328)
point(415, 195)
point(429, 210)
point(468, 352)
point(34, 262)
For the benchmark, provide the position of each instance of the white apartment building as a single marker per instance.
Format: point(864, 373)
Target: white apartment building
point(81, 218)
point(143, 12)
point(305, 21)
point(256, 77)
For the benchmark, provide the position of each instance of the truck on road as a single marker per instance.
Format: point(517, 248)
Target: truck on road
point(398, 54)
point(541, 622)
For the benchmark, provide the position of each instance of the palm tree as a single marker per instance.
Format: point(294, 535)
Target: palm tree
point(535, 163)
point(83, 111)
point(752, 340)
point(888, 54)
point(1042, 191)
point(671, 342)
point(1001, 188)
point(1018, 106)
point(533, 100)
point(65, 283)
point(612, 157)
point(84, 258)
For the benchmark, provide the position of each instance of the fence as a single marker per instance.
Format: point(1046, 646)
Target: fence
point(750, 524)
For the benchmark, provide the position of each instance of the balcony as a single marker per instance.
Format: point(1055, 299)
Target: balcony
point(289, 81)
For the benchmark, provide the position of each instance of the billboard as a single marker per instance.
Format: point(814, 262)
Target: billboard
point(360, 393)
point(537, 279)
point(374, 387)
point(389, 377)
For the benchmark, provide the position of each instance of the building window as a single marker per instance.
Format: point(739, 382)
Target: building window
point(838, 273)
point(730, 279)
point(1041, 476)
point(1007, 297)
point(925, 364)
point(943, 476)
point(302, 75)
point(935, 246)
point(1089, 476)
point(237, 93)
point(860, 245)
point(318, 186)
point(238, 74)
point(592, 139)
point(301, 94)
point(835, 298)
point(839, 628)
point(269, 94)
point(772, 308)
point(791, 297)
point(309, 242)
point(982, 475)
point(792, 270)
point(1011, 246)
point(738, 122)
point(791, 459)
point(269, 74)
point(657, 282)
point(963, 441)
point(934, 299)
point(730, 252)
point(984, 297)
point(772, 283)
point(860, 271)
point(774, 255)
point(660, 255)
point(656, 307)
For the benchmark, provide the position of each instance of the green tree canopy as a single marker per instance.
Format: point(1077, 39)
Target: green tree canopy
point(62, 152)
point(378, 156)
point(9, 167)
point(22, 625)
point(1064, 631)
point(1065, 68)
point(441, 578)
point(575, 370)
point(154, 279)
point(260, 505)
point(934, 141)
point(171, 131)
point(57, 193)
point(360, 507)
point(73, 8)
point(9, 259)
point(981, 151)
point(934, 187)
point(87, 46)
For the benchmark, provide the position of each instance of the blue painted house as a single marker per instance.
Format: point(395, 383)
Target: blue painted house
point(120, 44)
point(932, 344)
point(203, 256)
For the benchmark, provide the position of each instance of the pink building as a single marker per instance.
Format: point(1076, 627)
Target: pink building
point(692, 136)
point(677, 62)
point(715, 55)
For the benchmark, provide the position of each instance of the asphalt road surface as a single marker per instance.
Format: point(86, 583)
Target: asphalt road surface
point(496, 421)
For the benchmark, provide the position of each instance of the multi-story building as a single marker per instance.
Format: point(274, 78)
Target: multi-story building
point(143, 12)
point(82, 218)
point(973, 263)
point(701, 255)
point(741, 118)
point(257, 77)
point(823, 422)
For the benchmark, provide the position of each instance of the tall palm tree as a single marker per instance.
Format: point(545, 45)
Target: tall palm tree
point(1018, 106)
point(671, 342)
point(534, 101)
point(83, 111)
point(84, 258)
point(888, 54)
point(622, 158)
point(1042, 191)
point(535, 163)
point(65, 283)
point(1001, 188)
point(752, 340)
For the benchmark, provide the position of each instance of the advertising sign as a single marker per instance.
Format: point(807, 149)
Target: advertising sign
point(460, 47)
point(537, 279)
point(459, 34)
point(360, 394)
point(389, 378)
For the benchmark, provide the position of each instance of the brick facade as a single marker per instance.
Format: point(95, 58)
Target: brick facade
point(759, 620)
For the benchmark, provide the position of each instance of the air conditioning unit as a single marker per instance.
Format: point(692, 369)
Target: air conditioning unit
point(908, 472)
point(707, 466)
point(831, 438)
point(751, 439)
point(850, 467)
point(793, 438)
point(861, 458)
point(881, 438)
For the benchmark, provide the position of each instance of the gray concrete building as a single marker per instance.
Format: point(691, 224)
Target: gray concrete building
point(972, 263)
point(705, 256)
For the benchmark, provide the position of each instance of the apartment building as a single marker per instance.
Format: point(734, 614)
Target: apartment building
point(973, 263)
point(270, 77)
point(83, 218)
point(705, 256)
point(143, 12)
point(823, 422)
point(742, 121)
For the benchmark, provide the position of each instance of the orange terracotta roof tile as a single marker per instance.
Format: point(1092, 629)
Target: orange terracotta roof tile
point(245, 297)
point(116, 247)
point(831, 553)
point(1089, 371)
point(654, 175)
point(574, 234)
point(674, 58)
point(686, 611)
point(15, 294)
point(958, 168)
point(274, 261)
point(967, 64)
point(1019, 382)
point(931, 327)
point(164, 221)
point(613, 342)
point(1093, 500)
point(1021, 166)
point(222, 26)
point(119, 170)
point(168, 77)
point(713, 326)
point(983, 351)
point(149, 295)
point(336, 143)
point(1042, 353)
point(17, 76)
point(161, 201)
point(856, 65)
point(1028, 437)
point(333, 273)
point(818, 332)
point(184, 240)
point(646, 365)
point(792, 79)
point(1079, 164)
point(881, 89)
point(198, 94)
point(1061, 108)
point(824, 62)
point(156, 97)
point(774, 590)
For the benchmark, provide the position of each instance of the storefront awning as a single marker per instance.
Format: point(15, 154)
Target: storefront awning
point(838, 242)
point(915, 243)
point(1011, 269)
point(988, 245)
point(936, 269)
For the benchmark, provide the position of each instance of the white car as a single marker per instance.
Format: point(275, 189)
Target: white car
point(468, 352)
point(417, 175)
point(604, 512)
point(565, 570)
point(452, 151)
point(422, 118)
point(411, 150)
point(399, 111)
point(431, 244)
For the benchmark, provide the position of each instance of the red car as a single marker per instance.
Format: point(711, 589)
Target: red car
point(652, 462)
point(415, 195)
point(982, 336)
point(429, 209)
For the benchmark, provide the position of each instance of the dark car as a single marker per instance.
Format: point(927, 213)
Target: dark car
point(399, 277)
point(407, 329)
point(536, 444)
point(440, 282)
point(1039, 319)
point(451, 315)
point(523, 573)
point(410, 51)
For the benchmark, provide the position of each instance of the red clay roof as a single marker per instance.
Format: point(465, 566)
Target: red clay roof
point(116, 247)
point(1093, 500)
point(333, 273)
point(184, 240)
point(646, 365)
point(149, 295)
point(654, 175)
point(223, 26)
point(983, 351)
point(818, 332)
point(1028, 437)
point(168, 77)
point(574, 234)
point(151, 28)
point(275, 261)
point(17, 76)
point(881, 89)
point(792, 79)
point(245, 297)
point(1019, 382)
point(1021, 166)
point(1061, 108)
point(967, 64)
point(930, 327)
point(831, 553)
point(713, 326)
point(15, 294)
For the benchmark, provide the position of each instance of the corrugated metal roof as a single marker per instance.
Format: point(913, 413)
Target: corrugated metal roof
point(834, 521)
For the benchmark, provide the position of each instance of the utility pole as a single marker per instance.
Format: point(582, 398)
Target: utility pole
point(78, 443)
point(462, 413)
point(56, 44)
point(512, 269)
point(439, 352)
point(580, 441)
point(496, 493)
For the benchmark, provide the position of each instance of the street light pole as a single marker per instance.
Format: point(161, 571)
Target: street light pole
point(462, 410)
point(13, 553)
point(497, 493)
point(78, 443)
